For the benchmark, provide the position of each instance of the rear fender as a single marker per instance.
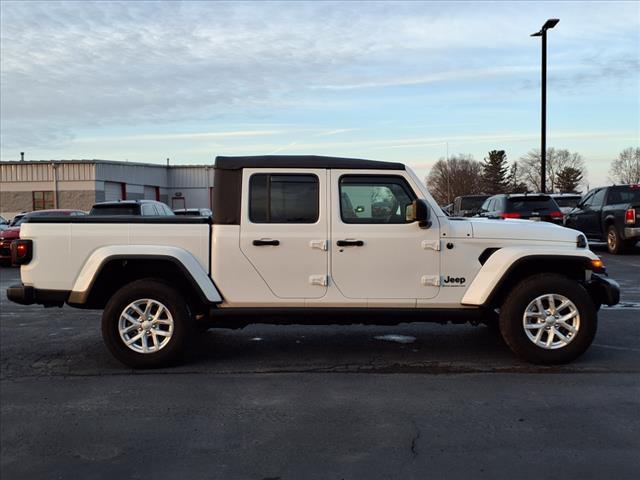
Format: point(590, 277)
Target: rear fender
point(185, 260)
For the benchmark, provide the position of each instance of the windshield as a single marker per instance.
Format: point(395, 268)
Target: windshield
point(623, 194)
point(15, 221)
point(531, 204)
point(115, 210)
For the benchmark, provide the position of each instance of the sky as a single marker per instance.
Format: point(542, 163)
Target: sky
point(409, 82)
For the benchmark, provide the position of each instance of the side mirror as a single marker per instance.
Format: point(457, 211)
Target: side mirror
point(418, 211)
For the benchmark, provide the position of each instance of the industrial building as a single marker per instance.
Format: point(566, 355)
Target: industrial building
point(78, 184)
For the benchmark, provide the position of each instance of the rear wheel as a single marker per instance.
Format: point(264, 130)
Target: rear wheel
point(548, 319)
point(615, 244)
point(146, 324)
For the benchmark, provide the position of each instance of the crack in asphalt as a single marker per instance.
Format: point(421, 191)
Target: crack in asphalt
point(414, 440)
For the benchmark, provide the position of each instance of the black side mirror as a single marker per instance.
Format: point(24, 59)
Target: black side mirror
point(418, 211)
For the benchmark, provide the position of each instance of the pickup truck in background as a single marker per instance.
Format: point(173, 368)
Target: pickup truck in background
point(12, 232)
point(146, 208)
point(315, 240)
point(609, 214)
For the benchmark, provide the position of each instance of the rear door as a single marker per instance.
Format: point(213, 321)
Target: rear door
point(284, 229)
point(375, 253)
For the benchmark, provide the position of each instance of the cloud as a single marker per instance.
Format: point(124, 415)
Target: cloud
point(185, 136)
point(448, 76)
point(72, 67)
point(337, 131)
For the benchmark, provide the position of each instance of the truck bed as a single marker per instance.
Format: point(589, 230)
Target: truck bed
point(64, 245)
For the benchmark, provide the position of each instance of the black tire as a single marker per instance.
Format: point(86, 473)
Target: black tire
point(514, 307)
point(174, 302)
point(615, 244)
point(491, 320)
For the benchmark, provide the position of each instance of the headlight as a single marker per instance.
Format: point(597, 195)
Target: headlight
point(581, 241)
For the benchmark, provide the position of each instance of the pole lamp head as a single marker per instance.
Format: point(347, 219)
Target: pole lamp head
point(549, 24)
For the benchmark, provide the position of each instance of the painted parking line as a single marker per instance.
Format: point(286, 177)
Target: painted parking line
point(615, 347)
point(624, 306)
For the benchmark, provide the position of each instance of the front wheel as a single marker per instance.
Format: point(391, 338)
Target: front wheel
point(146, 324)
point(548, 319)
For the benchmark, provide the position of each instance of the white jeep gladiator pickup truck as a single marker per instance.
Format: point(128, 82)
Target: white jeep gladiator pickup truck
point(306, 239)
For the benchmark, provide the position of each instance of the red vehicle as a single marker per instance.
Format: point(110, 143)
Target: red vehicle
point(12, 233)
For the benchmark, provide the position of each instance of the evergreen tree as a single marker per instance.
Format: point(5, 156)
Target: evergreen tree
point(568, 179)
point(495, 172)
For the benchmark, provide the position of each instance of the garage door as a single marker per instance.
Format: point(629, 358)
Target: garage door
point(149, 193)
point(112, 191)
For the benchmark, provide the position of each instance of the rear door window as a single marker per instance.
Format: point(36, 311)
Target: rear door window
point(148, 209)
point(623, 195)
point(289, 198)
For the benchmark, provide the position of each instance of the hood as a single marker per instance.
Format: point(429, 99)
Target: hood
point(522, 230)
point(10, 233)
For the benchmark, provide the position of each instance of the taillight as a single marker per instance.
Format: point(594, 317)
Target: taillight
point(21, 252)
point(509, 215)
point(557, 214)
point(630, 216)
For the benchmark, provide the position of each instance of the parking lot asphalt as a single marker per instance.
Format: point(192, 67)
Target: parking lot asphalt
point(268, 402)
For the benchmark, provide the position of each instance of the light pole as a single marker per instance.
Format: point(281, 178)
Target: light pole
point(552, 22)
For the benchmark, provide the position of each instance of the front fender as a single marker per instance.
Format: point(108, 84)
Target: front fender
point(503, 261)
point(101, 256)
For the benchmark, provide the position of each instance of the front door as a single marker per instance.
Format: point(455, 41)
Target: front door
point(586, 217)
point(284, 228)
point(376, 253)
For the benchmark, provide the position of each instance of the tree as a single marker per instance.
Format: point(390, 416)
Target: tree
point(515, 182)
point(626, 168)
point(495, 172)
point(568, 179)
point(459, 175)
point(557, 160)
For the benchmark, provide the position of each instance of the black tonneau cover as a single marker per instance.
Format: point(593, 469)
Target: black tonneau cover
point(227, 192)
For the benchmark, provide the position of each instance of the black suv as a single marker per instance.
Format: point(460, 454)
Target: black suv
point(535, 206)
point(609, 213)
point(131, 207)
point(468, 205)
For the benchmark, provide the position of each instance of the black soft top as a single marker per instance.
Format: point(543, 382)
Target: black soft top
point(302, 161)
point(228, 190)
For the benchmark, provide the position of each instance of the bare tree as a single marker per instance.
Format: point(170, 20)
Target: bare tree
point(557, 161)
point(626, 168)
point(515, 182)
point(459, 175)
